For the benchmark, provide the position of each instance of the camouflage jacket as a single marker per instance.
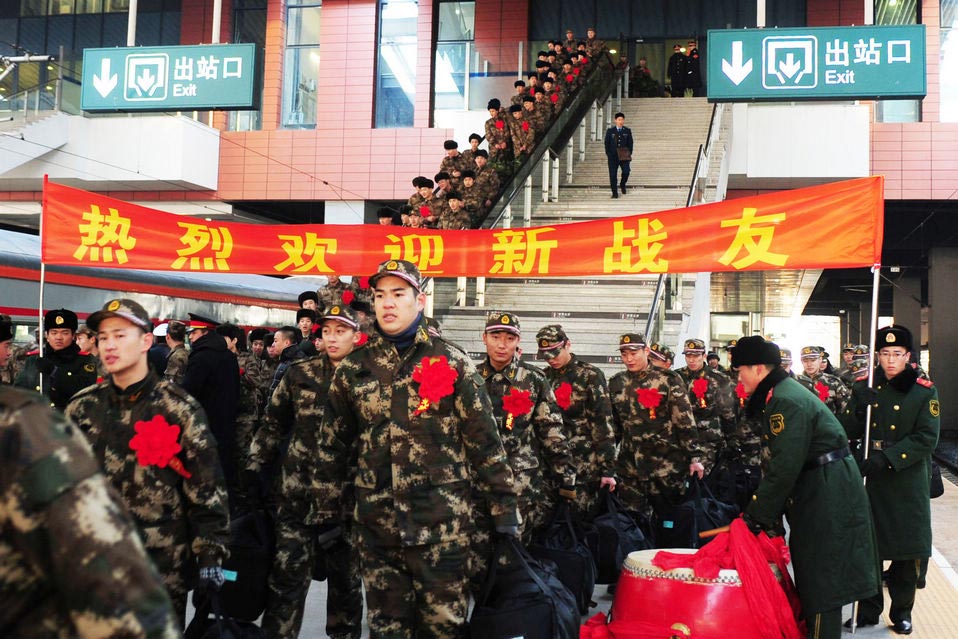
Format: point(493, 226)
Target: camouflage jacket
point(71, 372)
point(523, 133)
point(474, 200)
point(711, 396)
point(459, 164)
point(455, 220)
point(330, 294)
point(169, 509)
point(582, 395)
point(536, 441)
point(176, 364)
point(828, 388)
point(18, 357)
point(497, 132)
point(656, 443)
point(413, 481)
point(546, 111)
point(488, 181)
point(744, 442)
point(71, 563)
point(252, 376)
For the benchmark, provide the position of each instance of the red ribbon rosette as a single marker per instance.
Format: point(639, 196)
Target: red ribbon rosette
point(364, 282)
point(555, 98)
point(516, 403)
point(500, 125)
point(649, 398)
point(699, 387)
point(569, 78)
point(822, 391)
point(564, 395)
point(740, 393)
point(584, 59)
point(424, 211)
point(576, 70)
point(348, 297)
point(363, 338)
point(436, 378)
point(525, 126)
point(532, 91)
point(156, 444)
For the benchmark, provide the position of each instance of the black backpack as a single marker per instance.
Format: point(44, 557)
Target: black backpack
point(219, 627)
point(522, 597)
point(678, 526)
point(250, 560)
point(562, 542)
point(618, 534)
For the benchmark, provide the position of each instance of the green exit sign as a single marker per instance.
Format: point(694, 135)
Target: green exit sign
point(816, 63)
point(186, 78)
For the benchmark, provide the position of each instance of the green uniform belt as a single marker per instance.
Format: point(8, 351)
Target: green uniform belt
point(827, 458)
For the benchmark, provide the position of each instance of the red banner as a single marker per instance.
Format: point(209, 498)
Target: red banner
point(837, 225)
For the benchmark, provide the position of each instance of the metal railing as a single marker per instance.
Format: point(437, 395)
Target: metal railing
point(57, 95)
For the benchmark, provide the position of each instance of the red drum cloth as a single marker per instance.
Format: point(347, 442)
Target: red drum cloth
point(725, 589)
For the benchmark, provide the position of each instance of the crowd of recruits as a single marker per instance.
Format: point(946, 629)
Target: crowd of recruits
point(416, 444)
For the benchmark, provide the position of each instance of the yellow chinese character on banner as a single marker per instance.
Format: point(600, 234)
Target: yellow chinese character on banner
point(306, 254)
point(425, 251)
point(756, 242)
point(206, 248)
point(104, 237)
point(646, 238)
point(522, 251)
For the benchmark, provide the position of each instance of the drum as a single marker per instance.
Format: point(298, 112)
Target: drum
point(676, 599)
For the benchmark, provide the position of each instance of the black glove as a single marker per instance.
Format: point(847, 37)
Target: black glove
point(753, 526)
point(211, 578)
point(252, 489)
point(508, 530)
point(867, 397)
point(45, 365)
point(876, 464)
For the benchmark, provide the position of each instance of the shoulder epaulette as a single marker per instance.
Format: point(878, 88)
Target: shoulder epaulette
point(927, 383)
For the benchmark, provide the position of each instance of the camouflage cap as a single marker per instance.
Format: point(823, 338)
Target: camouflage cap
point(786, 355)
point(60, 318)
point(551, 339)
point(660, 352)
point(848, 348)
point(632, 342)
point(125, 308)
point(894, 335)
point(6, 331)
point(732, 343)
point(503, 321)
point(433, 327)
point(861, 350)
point(399, 268)
point(811, 352)
point(694, 347)
point(343, 314)
point(711, 355)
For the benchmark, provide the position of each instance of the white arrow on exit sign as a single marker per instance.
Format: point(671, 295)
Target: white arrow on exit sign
point(736, 70)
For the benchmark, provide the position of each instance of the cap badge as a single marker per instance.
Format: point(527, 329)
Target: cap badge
point(505, 319)
point(890, 338)
point(115, 304)
point(543, 343)
point(58, 320)
point(626, 339)
point(392, 265)
point(334, 310)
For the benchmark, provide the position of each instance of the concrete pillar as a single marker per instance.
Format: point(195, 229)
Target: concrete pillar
point(906, 305)
point(943, 330)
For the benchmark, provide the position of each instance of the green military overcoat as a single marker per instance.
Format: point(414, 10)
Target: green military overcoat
point(832, 539)
point(904, 426)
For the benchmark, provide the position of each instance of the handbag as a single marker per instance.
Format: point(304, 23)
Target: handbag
point(624, 154)
point(561, 542)
point(618, 534)
point(522, 597)
point(678, 526)
point(937, 487)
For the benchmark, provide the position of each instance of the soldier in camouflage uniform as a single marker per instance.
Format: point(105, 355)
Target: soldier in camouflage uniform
point(661, 356)
point(71, 563)
point(786, 355)
point(332, 293)
point(827, 388)
point(710, 393)
point(65, 370)
point(498, 133)
point(486, 178)
point(523, 134)
point(6, 343)
point(535, 439)
point(179, 356)
point(410, 411)
point(744, 442)
point(533, 116)
point(473, 198)
point(655, 427)
point(178, 501)
point(454, 163)
point(469, 155)
point(299, 402)
point(582, 395)
point(457, 218)
point(544, 109)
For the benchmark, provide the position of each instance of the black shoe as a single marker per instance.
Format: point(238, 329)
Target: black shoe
point(861, 623)
point(921, 584)
point(884, 576)
point(611, 589)
point(902, 627)
point(615, 196)
point(622, 186)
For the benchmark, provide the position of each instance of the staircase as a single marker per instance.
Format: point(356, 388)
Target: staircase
point(595, 311)
point(22, 141)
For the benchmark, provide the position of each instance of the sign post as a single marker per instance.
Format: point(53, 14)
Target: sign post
point(816, 63)
point(184, 78)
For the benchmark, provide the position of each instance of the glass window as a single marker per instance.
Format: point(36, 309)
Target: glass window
point(457, 21)
point(89, 6)
point(302, 26)
point(301, 66)
point(891, 12)
point(60, 7)
point(249, 25)
point(450, 75)
point(33, 7)
point(948, 61)
point(116, 6)
point(396, 68)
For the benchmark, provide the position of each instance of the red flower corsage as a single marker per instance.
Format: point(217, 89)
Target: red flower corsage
point(364, 282)
point(699, 387)
point(436, 378)
point(822, 391)
point(525, 126)
point(576, 70)
point(156, 444)
point(564, 395)
point(363, 338)
point(348, 297)
point(424, 211)
point(569, 78)
point(555, 98)
point(740, 393)
point(516, 403)
point(649, 398)
point(500, 125)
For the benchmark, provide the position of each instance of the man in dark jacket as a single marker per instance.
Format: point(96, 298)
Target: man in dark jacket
point(212, 377)
point(618, 150)
point(812, 479)
point(64, 368)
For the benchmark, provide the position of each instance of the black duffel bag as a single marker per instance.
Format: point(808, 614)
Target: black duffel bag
point(562, 541)
point(251, 556)
point(732, 482)
point(678, 526)
point(617, 534)
point(219, 627)
point(522, 597)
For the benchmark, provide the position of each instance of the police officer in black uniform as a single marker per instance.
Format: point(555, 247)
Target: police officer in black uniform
point(65, 370)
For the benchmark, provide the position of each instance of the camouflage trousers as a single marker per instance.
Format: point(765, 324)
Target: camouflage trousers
point(290, 577)
point(415, 592)
point(586, 493)
point(711, 441)
point(173, 563)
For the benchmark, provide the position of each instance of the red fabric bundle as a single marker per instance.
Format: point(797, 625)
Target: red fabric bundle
point(348, 297)
point(564, 395)
point(822, 391)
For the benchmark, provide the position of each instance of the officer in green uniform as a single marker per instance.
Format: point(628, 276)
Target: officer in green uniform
point(812, 479)
point(65, 370)
point(903, 434)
